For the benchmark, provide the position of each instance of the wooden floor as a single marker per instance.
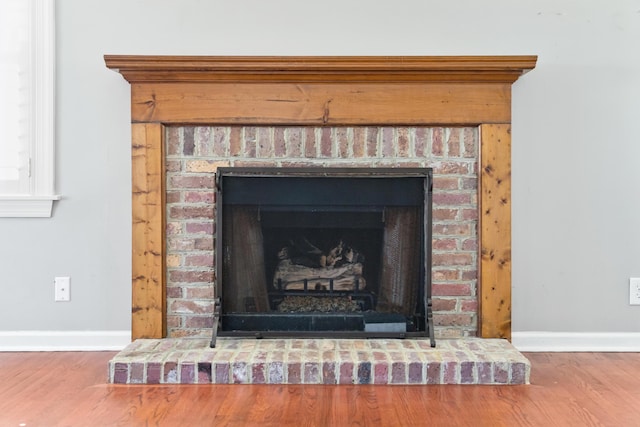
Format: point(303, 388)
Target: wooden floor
point(568, 389)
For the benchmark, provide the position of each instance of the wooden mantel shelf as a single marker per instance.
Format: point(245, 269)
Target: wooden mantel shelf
point(321, 91)
point(470, 69)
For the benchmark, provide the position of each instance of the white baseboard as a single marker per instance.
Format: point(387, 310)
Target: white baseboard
point(576, 341)
point(117, 340)
point(64, 340)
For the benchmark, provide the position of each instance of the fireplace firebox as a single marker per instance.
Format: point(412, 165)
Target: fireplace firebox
point(333, 252)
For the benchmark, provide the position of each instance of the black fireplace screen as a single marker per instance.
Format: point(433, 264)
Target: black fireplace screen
point(324, 252)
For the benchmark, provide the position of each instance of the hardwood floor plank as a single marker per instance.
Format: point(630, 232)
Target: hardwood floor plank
point(568, 389)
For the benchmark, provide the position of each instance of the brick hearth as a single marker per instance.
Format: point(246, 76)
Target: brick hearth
point(319, 361)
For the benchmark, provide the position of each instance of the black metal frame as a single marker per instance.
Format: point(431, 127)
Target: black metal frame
point(425, 174)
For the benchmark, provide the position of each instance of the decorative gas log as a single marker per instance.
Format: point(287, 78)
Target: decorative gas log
point(304, 266)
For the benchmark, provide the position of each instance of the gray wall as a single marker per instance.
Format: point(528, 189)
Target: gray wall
point(576, 141)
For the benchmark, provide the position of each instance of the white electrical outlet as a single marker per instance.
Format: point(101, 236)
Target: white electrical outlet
point(634, 291)
point(62, 286)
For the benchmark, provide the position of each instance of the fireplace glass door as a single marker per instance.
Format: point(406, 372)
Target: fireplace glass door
point(324, 252)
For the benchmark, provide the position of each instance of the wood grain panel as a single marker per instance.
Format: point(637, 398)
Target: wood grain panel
point(148, 235)
point(494, 205)
point(321, 104)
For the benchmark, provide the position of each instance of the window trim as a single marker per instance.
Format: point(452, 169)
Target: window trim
point(39, 201)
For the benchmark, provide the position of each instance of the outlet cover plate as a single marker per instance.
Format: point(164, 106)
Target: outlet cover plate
point(62, 287)
point(634, 291)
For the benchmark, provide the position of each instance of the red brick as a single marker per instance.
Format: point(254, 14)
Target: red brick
point(469, 275)
point(346, 373)
point(470, 138)
point(449, 199)
point(470, 245)
point(342, 141)
point(187, 373)
point(388, 142)
point(444, 275)
point(174, 292)
point(265, 146)
point(444, 304)
point(174, 146)
point(359, 134)
point(312, 373)
point(203, 244)
point(452, 259)
point(372, 141)
point(220, 142)
point(398, 373)
point(190, 276)
point(403, 144)
point(174, 321)
point(173, 197)
point(420, 142)
point(437, 148)
point(198, 321)
point(469, 305)
point(250, 143)
point(279, 142)
point(199, 292)
point(294, 142)
point(469, 183)
point(190, 181)
point(177, 243)
point(451, 229)
point(450, 290)
point(173, 228)
point(200, 228)
point(415, 372)
point(445, 183)
point(444, 244)
point(442, 214)
point(199, 260)
point(173, 165)
point(191, 307)
point(137, 373)
point(310, 147)
point(469, 214)
point(294, 373)
point(190, 212)
point(326, 142)
point(235, 141)
point(188, 142)
point(208, 197)
point(442, 319)
point(453, 143)
point(434, 371)
point(203, 143)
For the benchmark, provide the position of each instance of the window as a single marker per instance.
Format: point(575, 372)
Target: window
point(27, 89)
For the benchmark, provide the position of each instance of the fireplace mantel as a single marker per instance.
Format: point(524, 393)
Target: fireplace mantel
point(320, 91)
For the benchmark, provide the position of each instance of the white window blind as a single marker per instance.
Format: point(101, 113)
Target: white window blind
point(26, 108)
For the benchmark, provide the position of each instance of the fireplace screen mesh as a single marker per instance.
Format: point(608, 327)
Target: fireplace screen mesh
point(324, 252)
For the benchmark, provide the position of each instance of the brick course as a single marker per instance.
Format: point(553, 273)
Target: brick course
point(195, 152)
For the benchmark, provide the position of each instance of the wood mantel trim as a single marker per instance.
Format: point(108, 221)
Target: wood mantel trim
point(466, 90)
point(300, 69)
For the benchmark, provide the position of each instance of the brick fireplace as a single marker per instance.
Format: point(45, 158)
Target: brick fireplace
point(191, 115)
point(195, 153)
